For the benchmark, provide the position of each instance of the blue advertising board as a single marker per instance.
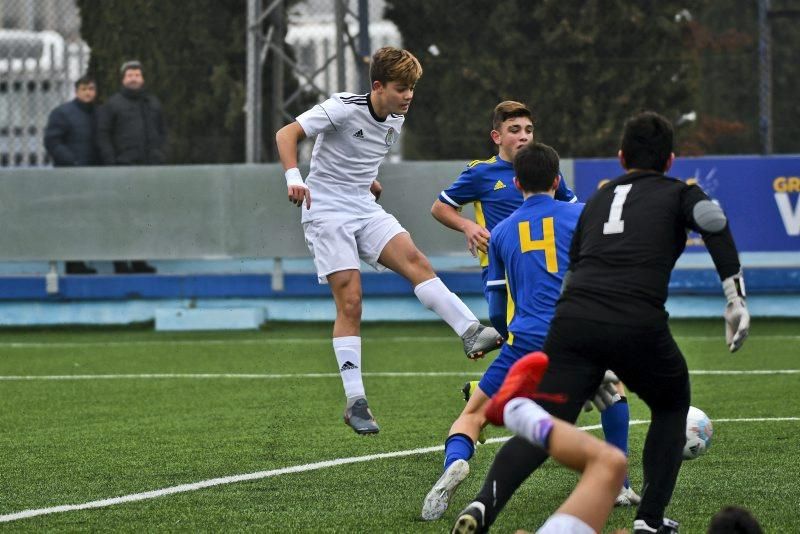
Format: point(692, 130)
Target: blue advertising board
point(760, 195)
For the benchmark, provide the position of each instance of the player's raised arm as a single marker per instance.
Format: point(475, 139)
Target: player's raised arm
point(706, 217)
point(287, 139)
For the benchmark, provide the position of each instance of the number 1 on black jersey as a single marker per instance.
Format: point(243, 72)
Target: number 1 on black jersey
point(615, 224)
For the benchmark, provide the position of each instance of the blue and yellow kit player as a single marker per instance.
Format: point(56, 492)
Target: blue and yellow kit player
point(528, 257)
point(489, 185)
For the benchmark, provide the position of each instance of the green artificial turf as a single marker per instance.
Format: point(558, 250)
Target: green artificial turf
point(72, 441)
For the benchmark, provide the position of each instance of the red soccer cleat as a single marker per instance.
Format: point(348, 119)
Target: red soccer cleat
point(521, 381)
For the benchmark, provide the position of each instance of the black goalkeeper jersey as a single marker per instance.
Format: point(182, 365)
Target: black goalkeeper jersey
point(626, 243)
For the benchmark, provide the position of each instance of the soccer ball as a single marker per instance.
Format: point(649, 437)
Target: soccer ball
point(699, 431)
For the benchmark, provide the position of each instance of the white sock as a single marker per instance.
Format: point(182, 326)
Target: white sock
point(348, 356)
point(528, 420)
point(434, 295)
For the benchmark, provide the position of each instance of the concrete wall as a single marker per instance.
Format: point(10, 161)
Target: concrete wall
point(191, 212)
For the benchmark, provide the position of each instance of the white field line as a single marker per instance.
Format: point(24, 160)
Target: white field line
point(193, 342)
point(184, 488)
point(231, 375)
point(378, 374)
point(299, 340)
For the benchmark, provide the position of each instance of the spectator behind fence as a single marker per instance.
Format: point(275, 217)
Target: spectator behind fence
point(131, 131)
point(69, 138)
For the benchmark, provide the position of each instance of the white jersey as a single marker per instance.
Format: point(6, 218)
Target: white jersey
point(351, 144)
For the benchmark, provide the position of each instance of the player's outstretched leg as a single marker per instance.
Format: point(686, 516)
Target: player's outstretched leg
point(458, 449)
point(603, 467)
point(403, 257)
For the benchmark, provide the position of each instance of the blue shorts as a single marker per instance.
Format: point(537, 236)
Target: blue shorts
point(493, 378)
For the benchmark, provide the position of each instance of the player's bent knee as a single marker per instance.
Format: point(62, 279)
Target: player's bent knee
point(616, 459)
point(612, 463)
point(350, 306)
point(419, 260)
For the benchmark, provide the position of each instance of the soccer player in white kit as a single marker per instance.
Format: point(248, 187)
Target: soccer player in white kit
point(344, 224)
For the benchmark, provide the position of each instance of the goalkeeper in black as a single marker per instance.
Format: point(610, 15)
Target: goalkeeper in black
point(611, 315)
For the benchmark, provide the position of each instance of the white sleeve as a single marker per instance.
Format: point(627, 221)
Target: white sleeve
point(329, 116)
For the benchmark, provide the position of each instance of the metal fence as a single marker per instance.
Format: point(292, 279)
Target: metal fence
point(41, 56)
point(326, 47)
point(312, 32)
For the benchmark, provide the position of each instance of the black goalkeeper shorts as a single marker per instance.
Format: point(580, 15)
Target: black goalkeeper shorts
point(646, 359)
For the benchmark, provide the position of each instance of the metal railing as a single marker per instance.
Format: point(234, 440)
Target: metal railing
point(37, 73)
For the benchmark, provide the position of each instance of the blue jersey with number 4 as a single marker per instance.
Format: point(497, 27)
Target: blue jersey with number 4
point(528, 257)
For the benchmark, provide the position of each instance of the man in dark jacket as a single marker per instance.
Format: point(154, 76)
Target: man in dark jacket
point(69, 138)
point(69, 135)
point(131, 131)
point(130, 128)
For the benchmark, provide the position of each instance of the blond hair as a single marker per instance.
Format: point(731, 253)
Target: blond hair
point(509, 109)
point(390, 64)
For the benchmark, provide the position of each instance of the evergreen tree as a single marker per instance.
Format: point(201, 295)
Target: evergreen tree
point(582, 66)
point(193, 54)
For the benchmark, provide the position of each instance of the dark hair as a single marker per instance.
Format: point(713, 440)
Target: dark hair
point(133, 64)
point(84, 80)
point(536, 166)
point(390, 64)
point(647, 141)
point(508, 109)
point(734, 520)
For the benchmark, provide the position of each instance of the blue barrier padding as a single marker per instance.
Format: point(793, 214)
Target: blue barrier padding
point(758, 280)
point(23, 288)
point(188, 286)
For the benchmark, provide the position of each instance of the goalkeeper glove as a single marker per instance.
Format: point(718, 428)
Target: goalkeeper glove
point(606, 395)
point(737, 318)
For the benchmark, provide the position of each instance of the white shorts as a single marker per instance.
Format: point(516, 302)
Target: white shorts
point(339, 244)
point(565, 524)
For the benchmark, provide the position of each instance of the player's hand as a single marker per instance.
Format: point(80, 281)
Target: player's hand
point(298, 194)
point(737, 318)
point(737, 323)
point(376, 189)
point(606, 395)
point(477, 238)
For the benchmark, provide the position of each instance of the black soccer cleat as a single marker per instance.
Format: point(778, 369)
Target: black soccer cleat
point(471, 520)
point(668, 526)
point(359, 418)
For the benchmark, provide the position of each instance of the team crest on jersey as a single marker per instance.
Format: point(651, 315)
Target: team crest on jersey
point(391, 136)
point(499, 185)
